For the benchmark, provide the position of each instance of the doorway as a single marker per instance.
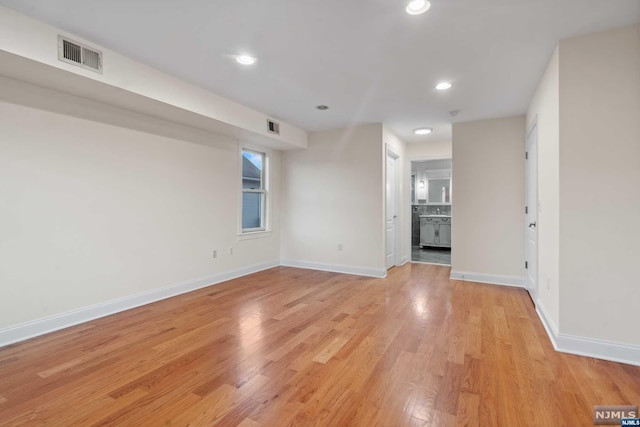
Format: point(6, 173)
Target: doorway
point(431, 199)
point(531, 212)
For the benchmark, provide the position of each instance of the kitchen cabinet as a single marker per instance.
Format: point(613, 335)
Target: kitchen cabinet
point(444, 234)
point(435, 230)
point(427, 232)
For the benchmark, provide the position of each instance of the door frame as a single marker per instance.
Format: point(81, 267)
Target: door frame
point(397, 246)
point(532, 130)
point(410, 210)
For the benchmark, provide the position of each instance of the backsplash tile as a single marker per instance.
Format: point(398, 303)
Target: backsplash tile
point(431, 210)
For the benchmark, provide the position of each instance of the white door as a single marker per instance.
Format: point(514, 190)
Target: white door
point(391, 203)
point(531, 213)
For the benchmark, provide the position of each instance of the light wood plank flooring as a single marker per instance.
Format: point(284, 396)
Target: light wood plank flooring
point(301, 347)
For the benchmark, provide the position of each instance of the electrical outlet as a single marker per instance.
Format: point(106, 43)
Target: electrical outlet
point(339, 246)
point(231, 251)
point(215, 253)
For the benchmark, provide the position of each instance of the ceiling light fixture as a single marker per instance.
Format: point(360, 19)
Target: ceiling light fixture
point(245, 59)
point(417, 7)
point(322, 107)
point(443, 86)
point(423, 131)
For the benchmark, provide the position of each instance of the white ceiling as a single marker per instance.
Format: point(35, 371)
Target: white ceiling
point(367, 59)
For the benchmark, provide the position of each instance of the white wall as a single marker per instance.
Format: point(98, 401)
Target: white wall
point(429, 150)
point(599, 152)
point(36, 43)
point(545, 108)
point(91, 212)
point(488, 197)
point(333, 193)
point(442, 164)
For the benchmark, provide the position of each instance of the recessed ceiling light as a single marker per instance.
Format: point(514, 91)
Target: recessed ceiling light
point(322, 107)
point(245, 59)
point(417, 7)
point(443, 86)
point(423, 131)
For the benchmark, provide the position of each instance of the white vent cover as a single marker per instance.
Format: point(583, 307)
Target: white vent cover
point(78, 54)
point(273, 127)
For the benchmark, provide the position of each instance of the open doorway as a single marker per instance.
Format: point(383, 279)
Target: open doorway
point(431, 198)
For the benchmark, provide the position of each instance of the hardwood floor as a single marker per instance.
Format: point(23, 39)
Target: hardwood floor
point(301, 347)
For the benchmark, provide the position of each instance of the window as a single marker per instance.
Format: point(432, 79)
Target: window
point(254, 193)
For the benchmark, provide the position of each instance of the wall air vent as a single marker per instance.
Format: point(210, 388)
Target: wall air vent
point(273, 127)
point(79, 54)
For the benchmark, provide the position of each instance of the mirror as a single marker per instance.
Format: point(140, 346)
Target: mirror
point(439, 190)
point(431, 182)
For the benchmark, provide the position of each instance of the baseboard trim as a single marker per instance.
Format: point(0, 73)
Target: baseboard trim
point(24, 331)
point(547, 322)
point(564, 343)
point(404, 260)
point(588, 347)
point(336, 268)
point(493, 279)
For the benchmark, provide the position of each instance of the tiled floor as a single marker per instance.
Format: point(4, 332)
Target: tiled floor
point(432, 255)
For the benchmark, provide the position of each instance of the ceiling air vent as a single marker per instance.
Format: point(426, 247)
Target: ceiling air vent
point(273, 127)
point(79, 54)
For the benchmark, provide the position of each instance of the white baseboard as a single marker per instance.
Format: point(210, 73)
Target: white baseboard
point(547, 322)
point(494, 279)
point(56, 322)
point(404, 260)
point(336, 268)
point(582, 346)
point(589, 347)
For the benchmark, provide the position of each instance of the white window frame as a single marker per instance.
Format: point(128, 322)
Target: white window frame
point(264, 229)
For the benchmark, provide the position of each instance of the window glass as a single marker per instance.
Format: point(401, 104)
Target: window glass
point(253, 191)
point(252, 170)
point(251, 210)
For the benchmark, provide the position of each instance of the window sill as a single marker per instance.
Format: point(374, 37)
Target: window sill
point(254, 235)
